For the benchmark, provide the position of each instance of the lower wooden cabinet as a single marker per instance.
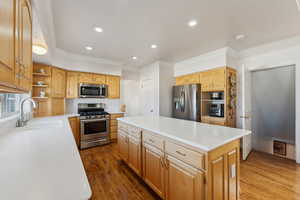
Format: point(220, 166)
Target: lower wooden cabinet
point(134, 155)
point(113, 125)
point(184, 181)
point(154, 169)
point(123, 145)
point(74, 123)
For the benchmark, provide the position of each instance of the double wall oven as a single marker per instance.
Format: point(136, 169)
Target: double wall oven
point(94, 125)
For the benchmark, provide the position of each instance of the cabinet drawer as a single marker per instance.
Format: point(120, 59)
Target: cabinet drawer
point(134, 131)
point(123, 127)
point(115, 116)
point(149, 138)
point(191, 157)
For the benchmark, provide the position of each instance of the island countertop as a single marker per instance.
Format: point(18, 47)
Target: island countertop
point(199, 135)
point(41, 161)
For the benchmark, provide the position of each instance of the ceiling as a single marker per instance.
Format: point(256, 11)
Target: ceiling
point(132, 26)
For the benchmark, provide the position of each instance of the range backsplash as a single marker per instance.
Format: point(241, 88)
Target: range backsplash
point(111, 105)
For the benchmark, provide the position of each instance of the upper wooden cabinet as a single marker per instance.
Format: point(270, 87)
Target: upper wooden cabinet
point(213, 80)
point(99, 79)
point(7, 73)
point(72, 85)
point(16, 45)
point(113, 83)
point(85, 77)
point(188, 79)
point(24, 40)
point(58, 89)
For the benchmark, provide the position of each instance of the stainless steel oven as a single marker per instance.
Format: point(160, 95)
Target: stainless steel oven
point(94, 125)
point(92, 90)
point(216, 109)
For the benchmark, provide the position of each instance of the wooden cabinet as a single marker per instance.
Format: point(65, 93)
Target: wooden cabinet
point(213, 80)
point(58, 89)
point(154, 169)
point(72, 85)
point(134, 155)
point(113, 125)
point(123, 146)
point(99, 79)
point(16, 46)
point(43, 109)
point(85, 77)
point(7, 68)
point(188, 79)
point(113, 83)
point(74, 123)
point(184, 181)
point(58, 106)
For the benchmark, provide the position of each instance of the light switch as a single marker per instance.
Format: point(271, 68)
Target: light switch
point(232, 171)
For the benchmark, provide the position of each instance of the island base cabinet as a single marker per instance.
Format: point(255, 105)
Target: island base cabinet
point(123, 146)
point(134, 155)
point(223, 176)
point(183, 181)
point(153, 169)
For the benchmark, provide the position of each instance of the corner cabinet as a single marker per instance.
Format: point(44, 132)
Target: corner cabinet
point(176, 171)
point(72, 85)
point(16, 46)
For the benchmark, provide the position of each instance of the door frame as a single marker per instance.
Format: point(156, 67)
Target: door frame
point(252, 67)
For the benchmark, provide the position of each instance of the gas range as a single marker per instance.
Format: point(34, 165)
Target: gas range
point(94, 125)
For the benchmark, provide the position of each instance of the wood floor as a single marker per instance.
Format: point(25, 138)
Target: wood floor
point(263, 177)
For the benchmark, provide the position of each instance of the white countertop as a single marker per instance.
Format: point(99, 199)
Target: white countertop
point(199, 135)
point(41, 162)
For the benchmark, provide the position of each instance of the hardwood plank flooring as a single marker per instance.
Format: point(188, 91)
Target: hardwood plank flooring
point(263, 177)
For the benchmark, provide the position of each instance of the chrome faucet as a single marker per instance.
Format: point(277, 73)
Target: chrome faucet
point(22, 121)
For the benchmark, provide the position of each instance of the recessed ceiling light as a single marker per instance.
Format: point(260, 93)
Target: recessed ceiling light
point(240, 37)
point(153, 46)
point(134, 58)
point(98, 29)
point(298, 4)
point(89, 48)
point(192, 23)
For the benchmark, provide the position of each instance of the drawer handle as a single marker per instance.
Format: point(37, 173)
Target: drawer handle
point(182, 154)
point(151, 140)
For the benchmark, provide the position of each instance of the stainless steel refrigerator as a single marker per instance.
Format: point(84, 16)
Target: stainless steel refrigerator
point(186, 102)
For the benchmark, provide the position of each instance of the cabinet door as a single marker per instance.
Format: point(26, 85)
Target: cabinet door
point(218, 79)
point(58, 106)
point(99, 79)
point(113, 83)
point(188, 79)
point(43, 109)
point(153, 169)
point(134, 158)
point(206, 81)
point(58, 83)
point(74, 123)
point(123, 146)
point(184, 181)
point(7, 43)
point(85, 78)
point(72, 85)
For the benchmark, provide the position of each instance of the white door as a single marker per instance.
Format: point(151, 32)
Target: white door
point(147, 97)
point(246, 111)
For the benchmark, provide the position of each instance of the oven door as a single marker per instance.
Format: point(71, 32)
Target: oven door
point(94, 129)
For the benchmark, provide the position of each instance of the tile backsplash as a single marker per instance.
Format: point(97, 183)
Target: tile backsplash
point(111, 105)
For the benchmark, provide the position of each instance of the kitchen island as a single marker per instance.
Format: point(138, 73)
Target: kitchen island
point(182, 159)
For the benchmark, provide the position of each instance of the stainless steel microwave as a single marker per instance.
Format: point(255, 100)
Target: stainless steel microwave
point(92, 90)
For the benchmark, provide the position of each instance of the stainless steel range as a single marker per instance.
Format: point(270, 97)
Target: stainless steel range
point(94, 125)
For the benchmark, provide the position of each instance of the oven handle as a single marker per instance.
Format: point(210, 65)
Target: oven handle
point(93, 120)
